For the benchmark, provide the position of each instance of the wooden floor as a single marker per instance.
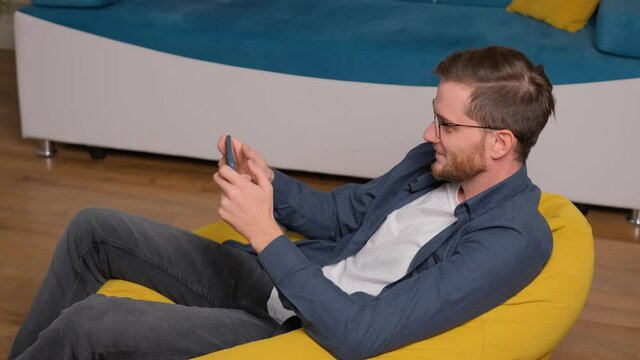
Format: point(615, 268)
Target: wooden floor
point(39, 196)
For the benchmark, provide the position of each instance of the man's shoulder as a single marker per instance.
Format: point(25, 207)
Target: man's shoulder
point(515, 191)
point(513, 205)
point(423, 149)
point(515, 201)
point(419, 156)
point(518, 216)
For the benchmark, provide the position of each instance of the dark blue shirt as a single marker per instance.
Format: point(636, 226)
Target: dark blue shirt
point(497, 246)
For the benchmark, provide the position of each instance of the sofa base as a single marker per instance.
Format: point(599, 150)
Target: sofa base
point(100, 92)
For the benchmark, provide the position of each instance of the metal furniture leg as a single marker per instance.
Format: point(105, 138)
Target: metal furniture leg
point(46, 148)
point(634, 218)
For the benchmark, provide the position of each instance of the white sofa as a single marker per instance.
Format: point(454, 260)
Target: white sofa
point(79, 88)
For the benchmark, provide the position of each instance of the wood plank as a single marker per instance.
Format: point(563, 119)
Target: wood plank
point(592, 339)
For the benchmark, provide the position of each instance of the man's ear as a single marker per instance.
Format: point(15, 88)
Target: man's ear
point(503, 143)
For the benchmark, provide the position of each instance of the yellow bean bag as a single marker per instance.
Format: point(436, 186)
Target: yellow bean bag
point(527, 326)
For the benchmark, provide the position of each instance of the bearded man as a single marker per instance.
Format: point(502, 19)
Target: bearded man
point(447, 234)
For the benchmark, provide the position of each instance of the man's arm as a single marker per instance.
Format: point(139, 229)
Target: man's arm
point(487, 268)
point(315, 214)
point(320, 214)
point(247, 205)
point(331, 215)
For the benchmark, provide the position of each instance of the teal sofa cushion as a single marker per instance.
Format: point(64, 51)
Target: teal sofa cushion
point(73, 3)
point(618, 27)
point(493, 3)
point(374, 41)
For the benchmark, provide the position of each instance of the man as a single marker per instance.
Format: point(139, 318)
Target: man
point(447, 234)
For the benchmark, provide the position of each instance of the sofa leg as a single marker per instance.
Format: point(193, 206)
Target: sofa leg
point(584, 209)
point(46, 148)
point(97, 153)
point(634, 218)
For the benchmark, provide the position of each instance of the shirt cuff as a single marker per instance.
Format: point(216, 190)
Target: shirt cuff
point(281, 258)
point(284, 188)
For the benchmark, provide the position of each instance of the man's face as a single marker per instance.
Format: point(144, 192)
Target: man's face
point(460, 151)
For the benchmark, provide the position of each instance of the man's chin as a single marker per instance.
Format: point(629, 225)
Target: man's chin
point(436, 171)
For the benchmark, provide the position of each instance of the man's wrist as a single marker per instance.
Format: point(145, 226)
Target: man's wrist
point(261, 240)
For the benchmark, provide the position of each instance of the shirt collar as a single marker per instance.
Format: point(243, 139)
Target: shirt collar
point(494, 195)
point(423, 181)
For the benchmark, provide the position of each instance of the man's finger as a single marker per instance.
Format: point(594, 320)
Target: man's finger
point(232, 176)
point(236, 144)
point(221, 145)
point(248, 151)
point(223, 183)
point(261, 178)
point(227, 173)
point(217, 178)
point(222, 161)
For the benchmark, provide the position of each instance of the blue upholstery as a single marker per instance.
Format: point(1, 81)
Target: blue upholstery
point(618, 30)
point(73, 3)
point(375, 41)
point(495, 3)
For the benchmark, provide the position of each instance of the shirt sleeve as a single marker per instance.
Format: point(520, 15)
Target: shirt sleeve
point(487, 268)
point(331, 215)
point(319, 214)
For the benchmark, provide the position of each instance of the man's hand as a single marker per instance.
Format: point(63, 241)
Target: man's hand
point(243, 154)
point(247, 203)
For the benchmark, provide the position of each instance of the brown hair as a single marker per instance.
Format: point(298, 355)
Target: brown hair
point(508, 91)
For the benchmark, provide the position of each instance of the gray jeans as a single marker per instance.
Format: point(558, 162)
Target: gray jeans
point(221, 294)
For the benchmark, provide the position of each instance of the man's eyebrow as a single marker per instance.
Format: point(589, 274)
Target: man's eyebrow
point(440, 116)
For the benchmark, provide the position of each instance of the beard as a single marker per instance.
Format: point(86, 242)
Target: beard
point(461, 166)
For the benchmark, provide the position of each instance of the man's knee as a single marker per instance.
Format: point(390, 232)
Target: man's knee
point(88, 224)
point(79, 325)
point(83, 233)
point(88, 322)
point(113, 325)
point(89, 218)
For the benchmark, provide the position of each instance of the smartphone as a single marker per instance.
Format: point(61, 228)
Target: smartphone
point(230, 160)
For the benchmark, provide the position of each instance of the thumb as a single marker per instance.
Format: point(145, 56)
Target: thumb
point(248, 152)
point(221, 145)
point(261, 178)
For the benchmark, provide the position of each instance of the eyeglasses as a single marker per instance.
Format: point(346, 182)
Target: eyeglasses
point(439, 124)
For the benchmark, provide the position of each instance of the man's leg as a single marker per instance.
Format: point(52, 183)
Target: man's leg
point(102, 327)
point(100, 244)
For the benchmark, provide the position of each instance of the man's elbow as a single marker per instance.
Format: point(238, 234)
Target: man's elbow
point(344, 347)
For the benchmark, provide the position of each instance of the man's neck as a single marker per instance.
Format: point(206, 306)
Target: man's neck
point(481, 182)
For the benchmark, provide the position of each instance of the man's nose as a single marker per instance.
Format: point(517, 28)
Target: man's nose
point(430, 133)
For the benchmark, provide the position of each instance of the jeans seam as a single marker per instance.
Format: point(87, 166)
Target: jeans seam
point(102, 239)
point(73, 288)
point(90, 352)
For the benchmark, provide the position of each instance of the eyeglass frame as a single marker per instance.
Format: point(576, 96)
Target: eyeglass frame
point(438, 123)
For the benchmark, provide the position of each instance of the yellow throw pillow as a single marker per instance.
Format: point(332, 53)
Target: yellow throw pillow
point(570, 15)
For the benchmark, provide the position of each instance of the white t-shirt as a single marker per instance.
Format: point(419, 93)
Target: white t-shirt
point(387, 255)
